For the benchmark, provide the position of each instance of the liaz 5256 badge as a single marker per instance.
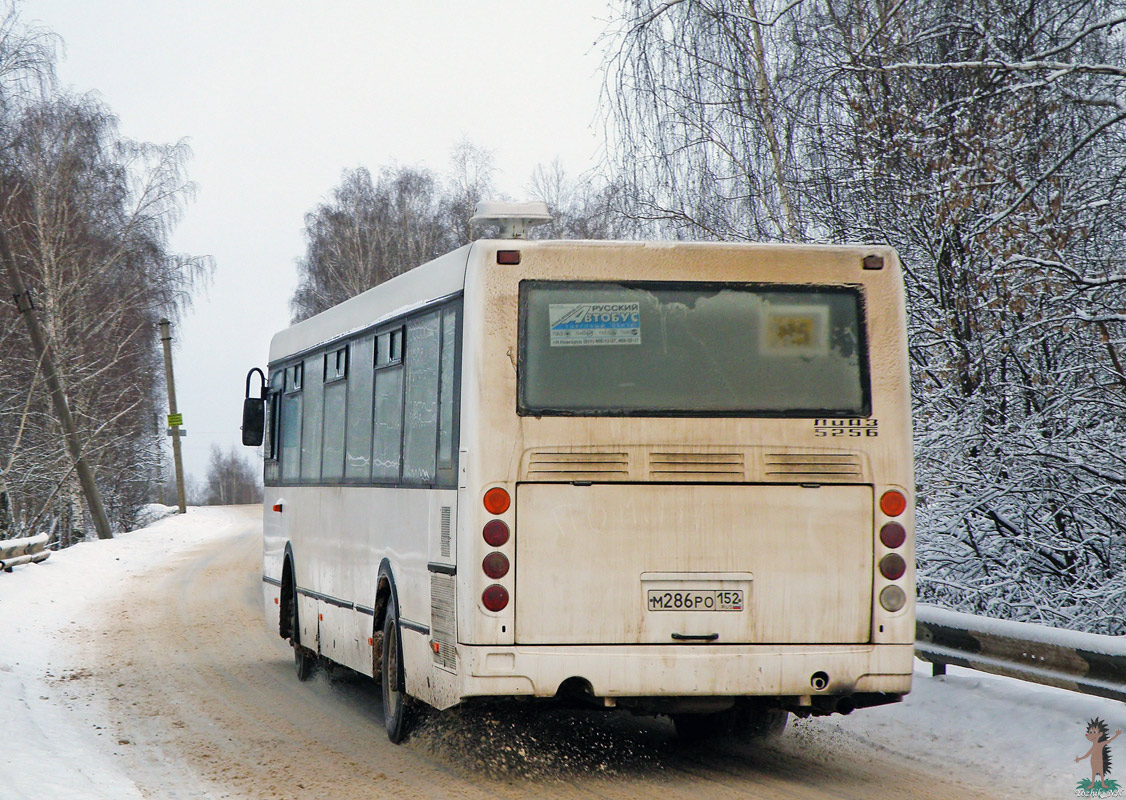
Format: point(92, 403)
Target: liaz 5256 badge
point(853, 428)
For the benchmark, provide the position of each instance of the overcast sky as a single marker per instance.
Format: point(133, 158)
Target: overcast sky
point(276, 98)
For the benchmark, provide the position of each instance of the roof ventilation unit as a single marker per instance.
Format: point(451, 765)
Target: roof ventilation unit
point(514, 219)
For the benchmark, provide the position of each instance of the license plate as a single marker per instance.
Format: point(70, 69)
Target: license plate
point(695, 599)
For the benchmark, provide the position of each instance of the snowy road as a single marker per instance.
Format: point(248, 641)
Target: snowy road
point(141, 668)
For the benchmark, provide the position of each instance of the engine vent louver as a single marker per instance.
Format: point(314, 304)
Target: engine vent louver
point(812, 466)
point(664, 464)
point(669, 466)
point(608, 465)
point(445, 533)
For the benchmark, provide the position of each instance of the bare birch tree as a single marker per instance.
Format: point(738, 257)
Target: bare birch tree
point(231, 479)
point(369, 233)
point(87, 215)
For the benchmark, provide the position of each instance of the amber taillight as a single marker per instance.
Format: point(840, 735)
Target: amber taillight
point(497, 500)
point(893, 503)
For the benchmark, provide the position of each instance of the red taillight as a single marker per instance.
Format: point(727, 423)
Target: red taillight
point(893, 503)
point(892, 566)
point(495, 565)
point(495, 597)
point(497, 500)
point(508, 256)
point(495, 533)
point(893, 535)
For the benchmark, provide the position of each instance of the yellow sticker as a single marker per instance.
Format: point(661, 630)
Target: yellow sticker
point(792, 331)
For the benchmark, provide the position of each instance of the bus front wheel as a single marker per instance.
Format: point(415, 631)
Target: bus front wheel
point(304, 659)
point(397, 711)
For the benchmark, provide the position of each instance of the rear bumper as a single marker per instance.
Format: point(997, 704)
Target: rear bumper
point(686, 670)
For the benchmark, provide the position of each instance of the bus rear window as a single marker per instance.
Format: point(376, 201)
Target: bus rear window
point(691, 349)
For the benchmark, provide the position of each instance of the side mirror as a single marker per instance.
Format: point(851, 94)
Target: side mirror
point(254, 412)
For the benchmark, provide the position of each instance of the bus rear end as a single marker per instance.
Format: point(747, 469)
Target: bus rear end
point(704, 457)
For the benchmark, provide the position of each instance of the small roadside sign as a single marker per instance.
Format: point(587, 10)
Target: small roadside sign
point(175, 420)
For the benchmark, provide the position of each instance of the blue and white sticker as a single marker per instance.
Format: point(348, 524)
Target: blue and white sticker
point(578, 324)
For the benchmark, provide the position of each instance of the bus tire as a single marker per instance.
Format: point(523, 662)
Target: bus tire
point(398, 716)
point(700, 727)
point(759, 723)
point(304, 659)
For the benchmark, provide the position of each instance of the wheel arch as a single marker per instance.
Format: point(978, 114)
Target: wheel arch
point(386, 592)
point(288, 594)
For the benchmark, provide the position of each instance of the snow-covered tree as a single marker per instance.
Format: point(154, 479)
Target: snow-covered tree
point(986, 141)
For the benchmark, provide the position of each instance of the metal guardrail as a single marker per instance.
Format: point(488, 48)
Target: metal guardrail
point(14, 552)
point(1080, 662)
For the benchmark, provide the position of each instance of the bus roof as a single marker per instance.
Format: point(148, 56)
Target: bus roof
point(438, 278)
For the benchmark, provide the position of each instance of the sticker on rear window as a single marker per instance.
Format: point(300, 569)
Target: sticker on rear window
point(579, 324)
point(796, 331)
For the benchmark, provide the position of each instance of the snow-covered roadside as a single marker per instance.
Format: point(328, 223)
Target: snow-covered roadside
point(1019, 738)
point(47, 751)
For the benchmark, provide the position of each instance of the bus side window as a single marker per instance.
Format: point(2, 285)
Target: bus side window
point(336, 370)
point(270, 471)
point(388, 410)
point(312, 419)
point(448, 400)
point(270, 431)
point(289, 435)
point(357, 437)
point(421, 399)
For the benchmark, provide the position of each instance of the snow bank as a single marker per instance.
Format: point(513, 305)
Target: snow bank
point(47, 753)
point(154, 512)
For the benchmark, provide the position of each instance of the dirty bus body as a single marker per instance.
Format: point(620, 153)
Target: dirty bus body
point(672, 477)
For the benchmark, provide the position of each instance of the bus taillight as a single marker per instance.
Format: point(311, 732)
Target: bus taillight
point(892, 566)
point(495, 597)
point(893, 503)
point(495, 533)
point(892, 535)
point(495, 565)
point(497, 500)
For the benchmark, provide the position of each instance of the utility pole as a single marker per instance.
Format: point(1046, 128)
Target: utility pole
point(58, 398)
point(159, 458)
point(174, 418)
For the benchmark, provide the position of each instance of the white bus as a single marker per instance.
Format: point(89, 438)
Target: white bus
point(673, 477)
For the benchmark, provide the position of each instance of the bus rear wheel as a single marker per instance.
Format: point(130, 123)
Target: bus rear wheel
point(398, 715)
point(756, 722)
point(700, 727)
point(747, 722)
